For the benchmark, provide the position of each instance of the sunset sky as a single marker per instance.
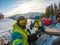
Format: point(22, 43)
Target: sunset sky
point(11, 7)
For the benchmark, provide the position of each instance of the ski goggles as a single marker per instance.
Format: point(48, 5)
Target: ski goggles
point(22, 22)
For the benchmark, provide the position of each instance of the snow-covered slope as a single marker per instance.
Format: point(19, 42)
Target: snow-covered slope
point(6, 26)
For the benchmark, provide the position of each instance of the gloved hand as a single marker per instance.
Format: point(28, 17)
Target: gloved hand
point(32, 37)
point(42, 29)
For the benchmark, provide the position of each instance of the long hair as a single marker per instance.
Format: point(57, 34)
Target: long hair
point(57, 15)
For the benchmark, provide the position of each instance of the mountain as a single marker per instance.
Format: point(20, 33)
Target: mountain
point(27, 15)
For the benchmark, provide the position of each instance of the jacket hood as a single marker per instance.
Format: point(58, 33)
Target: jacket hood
point(15, 26)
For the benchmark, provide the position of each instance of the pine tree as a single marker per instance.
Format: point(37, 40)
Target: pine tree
point(48, 12)
point(59, 6)
point(55, 9)
point(51, 10)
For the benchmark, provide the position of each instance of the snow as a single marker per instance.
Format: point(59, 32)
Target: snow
point(6, 28)
point(6, 24)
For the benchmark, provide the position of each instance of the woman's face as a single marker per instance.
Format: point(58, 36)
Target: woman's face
point(58, 19)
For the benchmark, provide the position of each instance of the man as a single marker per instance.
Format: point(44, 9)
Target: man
point(20, 34)
point(38, 23)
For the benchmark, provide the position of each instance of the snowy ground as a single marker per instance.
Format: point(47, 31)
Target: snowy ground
point(6, 28)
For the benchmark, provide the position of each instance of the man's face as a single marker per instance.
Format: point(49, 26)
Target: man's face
point(23, 23)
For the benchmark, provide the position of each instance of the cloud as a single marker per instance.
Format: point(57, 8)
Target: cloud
point(22, 1)
point(26, 7)
point(30, 6)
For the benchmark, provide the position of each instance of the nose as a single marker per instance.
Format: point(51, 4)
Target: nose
point(24, 23)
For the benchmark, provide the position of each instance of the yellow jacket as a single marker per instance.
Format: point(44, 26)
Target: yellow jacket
point(19, 36)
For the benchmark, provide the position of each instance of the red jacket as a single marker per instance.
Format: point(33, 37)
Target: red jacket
point(47, 22)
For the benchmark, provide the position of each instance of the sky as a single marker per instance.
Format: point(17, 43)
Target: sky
point(11, 7)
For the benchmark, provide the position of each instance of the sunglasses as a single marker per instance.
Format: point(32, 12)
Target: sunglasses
point(22, 21)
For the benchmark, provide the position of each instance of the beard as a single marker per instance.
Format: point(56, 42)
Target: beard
point(22, 26)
